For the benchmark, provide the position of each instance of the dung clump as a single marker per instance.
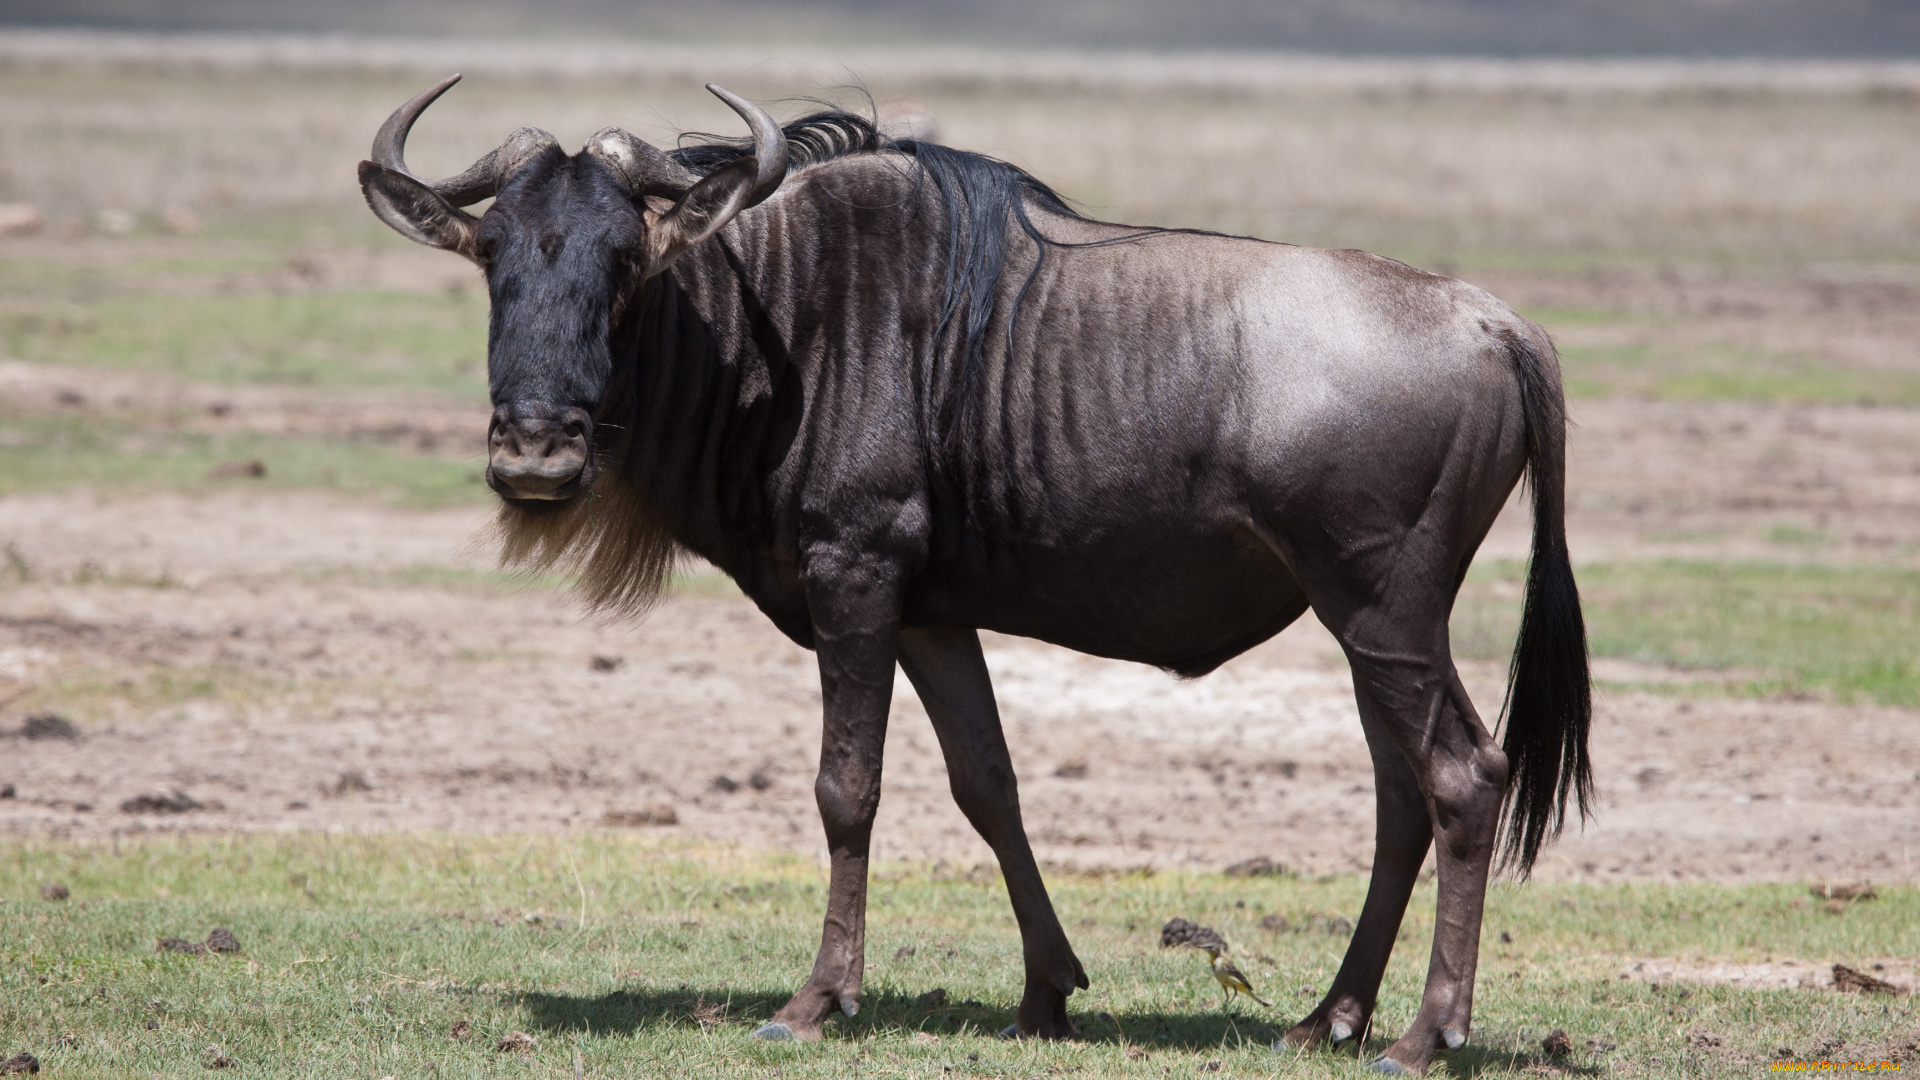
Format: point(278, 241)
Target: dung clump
point(1179, 931)
point(49, 726)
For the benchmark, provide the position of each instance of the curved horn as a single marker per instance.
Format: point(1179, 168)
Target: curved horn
point(769, 143)
point(646, 169)
point(482, 179)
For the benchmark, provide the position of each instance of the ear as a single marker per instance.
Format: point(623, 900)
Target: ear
point(702, 211)
point(413, 210)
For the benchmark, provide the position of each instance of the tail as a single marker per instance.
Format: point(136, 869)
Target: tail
point(1549, 703)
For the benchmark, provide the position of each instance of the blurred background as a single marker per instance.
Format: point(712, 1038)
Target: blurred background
point(241, 423)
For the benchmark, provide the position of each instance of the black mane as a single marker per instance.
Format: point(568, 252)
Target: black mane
point(977, 193)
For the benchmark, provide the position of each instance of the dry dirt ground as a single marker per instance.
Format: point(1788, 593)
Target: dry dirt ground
point(285, 660)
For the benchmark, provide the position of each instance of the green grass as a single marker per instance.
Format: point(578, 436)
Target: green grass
point(223, 327)
point(56, 451)
point(1852, 632)
point(1690, 372)
point(435, 342)
point(361, 953)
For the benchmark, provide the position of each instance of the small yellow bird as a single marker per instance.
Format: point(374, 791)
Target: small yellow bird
point(1229, 977)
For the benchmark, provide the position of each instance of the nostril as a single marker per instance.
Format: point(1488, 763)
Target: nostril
point(537, 452)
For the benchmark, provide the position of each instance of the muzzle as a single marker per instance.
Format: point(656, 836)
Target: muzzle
point(537, 451)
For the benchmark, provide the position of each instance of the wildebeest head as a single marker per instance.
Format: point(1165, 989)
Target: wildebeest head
point(566, 243)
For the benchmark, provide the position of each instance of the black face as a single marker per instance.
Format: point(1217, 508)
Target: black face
point(564, 248)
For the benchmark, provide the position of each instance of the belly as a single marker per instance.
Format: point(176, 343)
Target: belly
point(1182, 598)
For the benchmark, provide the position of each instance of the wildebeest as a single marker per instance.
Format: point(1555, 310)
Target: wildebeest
point(900, 393)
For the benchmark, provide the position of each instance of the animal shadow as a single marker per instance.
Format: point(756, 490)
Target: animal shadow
point(622, 1012)
point(625, 1011)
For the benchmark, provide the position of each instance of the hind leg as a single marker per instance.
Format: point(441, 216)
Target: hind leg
point(1402, 834)
point(1399, 653)
point(950, 674)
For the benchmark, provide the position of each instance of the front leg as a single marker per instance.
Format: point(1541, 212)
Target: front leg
point(948, 670)
point(856, 615)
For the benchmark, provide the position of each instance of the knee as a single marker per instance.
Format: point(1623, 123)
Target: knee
point(1466, 791)
point(845, 803)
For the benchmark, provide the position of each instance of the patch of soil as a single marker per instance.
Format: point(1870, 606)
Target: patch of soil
point(288, 646)
point(1888, 976)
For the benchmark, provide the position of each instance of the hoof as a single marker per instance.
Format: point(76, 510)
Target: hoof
point(1385, 1064)
point(775, 1033)
point(1340, 1032)
point(850, 1005)
point(1453, 1037)
point(1011, 1031)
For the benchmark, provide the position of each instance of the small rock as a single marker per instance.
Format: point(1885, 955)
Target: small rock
point(221, 940)
point(1072, 769)
point(177, 803)
point(1135, 1053)
point(21, 1062)
point(116, 221)
point(1506, 938)
point(181, 220)
point(1258, 866)
point(53, 890)
point(725, 784)
point(460, 1030)
point(349, 783)
point(606, 663)
point(50, 726)
point(517, 1041)
point(759, 781)
point(1557, 1044)
point(17, 218)
point(181, 945)
point(904, 952)
point(250, 469)
point(7, 792)
point(933, 998)
point(657, 814)
point(1211, 1066)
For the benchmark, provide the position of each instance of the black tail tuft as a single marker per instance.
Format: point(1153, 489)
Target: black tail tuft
point(1549, 703)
